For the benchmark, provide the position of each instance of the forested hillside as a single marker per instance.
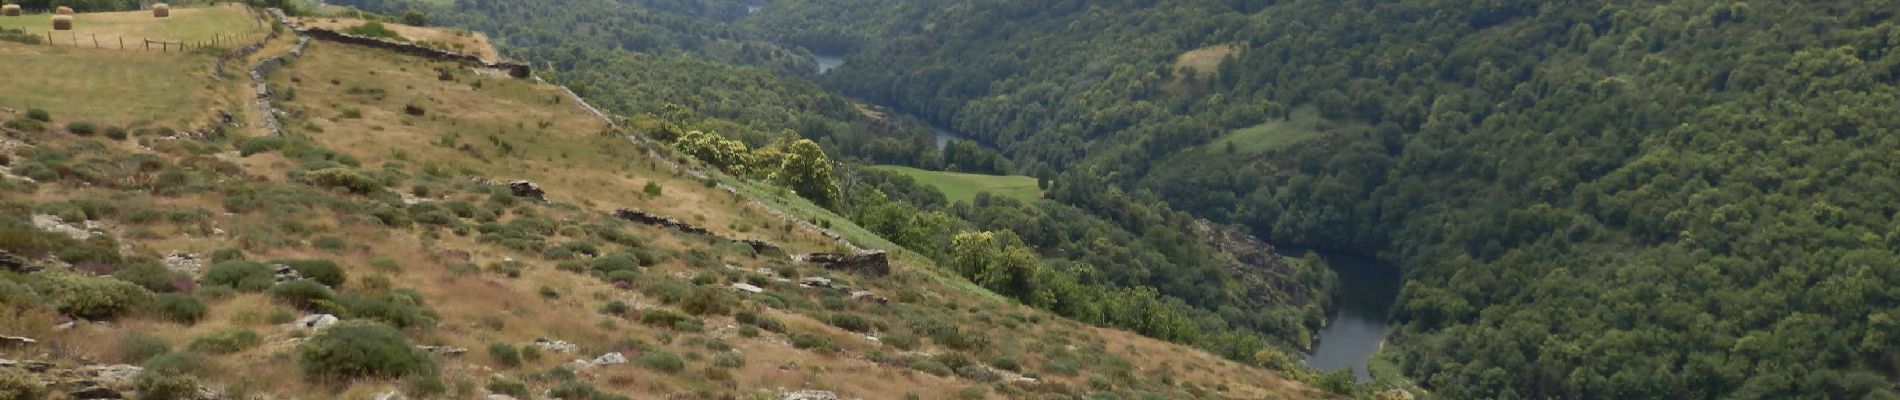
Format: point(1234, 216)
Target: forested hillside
point(1591, 199)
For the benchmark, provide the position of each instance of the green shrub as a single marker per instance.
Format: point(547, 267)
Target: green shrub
point(82, 128)
point(850, 322)
point(360, 349)
point(615, 308)
point(323, 271)
point(652, 189)
point(183, 362)
point(729, 359)
point(509, 387)
point(665, 318)
point(505, 354)
point(531, 353)
point(932, 367)
point(229, 340)
point(899, 340)
point(707, 301)
point(180, 308)
point(116, 133)
point(302, 293)
point(372, 29)
point(39, 115)
point(344, 178)
point(239, 274)
point(427, 386)
point(260, 144)
point(332, 243)
point(977, 373)
point(86, 296)
point(395, 309)
point(616, 262)
point(153, 277)
point(814, 342)
point(160, 385)
point(763, 322)
point(663, 361)
point(15, 383)
point(137, 347)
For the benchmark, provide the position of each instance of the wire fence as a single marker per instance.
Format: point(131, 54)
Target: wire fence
point(95, 41)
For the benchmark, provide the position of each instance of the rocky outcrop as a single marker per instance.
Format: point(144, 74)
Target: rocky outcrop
point(182, 262)
point(808, 395)
point(871, 263)
point(1269, 279)
point(761, 246)
point(527, 189)
point(12, 263)
point(316, 321)
point(445, 351)
point(284, 273)
point(557, 346)
point(603, 360)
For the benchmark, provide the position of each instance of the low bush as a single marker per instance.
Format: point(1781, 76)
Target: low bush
point(663, 361)
point(239, 274)
point(15, 383)
point(39, 115)
point(763, 322)
point(302, 294)
point(395, 309)
point(117, 133)
point(729, 360)
point(665, 318)
point(504, 354)
point(510, 387)
point(229, 340)
point(137, 347)
point(360, 349)
point(708, 301)
point(153, 277)
point(183, 362)
point(87, 296)
point(814, 342)
point(849, 322)
point(161, 385)
point(347, 179)
point(180, 308)
point(325, 272)
point(82, 128)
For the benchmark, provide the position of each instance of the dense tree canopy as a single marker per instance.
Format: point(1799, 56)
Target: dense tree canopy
point(1600, 199)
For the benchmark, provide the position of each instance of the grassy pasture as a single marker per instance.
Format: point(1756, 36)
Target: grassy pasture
point(188, 25)
point(958, 186)
point(1273, 135)
point(109, 87)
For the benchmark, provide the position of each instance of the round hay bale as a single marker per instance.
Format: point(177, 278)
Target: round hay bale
point(11, 10)
point(62, 22)
point(161, 10)
point(63, 10)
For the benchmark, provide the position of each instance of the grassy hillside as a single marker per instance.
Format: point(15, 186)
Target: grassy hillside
point(959, 186)
point(377, 174)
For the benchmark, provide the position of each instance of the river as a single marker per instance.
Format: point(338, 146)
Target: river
point(1358, 324)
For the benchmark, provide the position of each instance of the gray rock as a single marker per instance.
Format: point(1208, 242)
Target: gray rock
point(808, 395)
point(316, 321)
point(747, 287)
point(557, 346)
point(527, 189)
point(449, 351)
point(815, 282)
point(29, 366)
point(16, 340)
point(285, 273)
point(391, 395)
point(53, 224)
point(187, 263)
point(610, 359)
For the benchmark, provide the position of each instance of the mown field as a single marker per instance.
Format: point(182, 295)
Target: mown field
point(226, 23)
point(958, 186)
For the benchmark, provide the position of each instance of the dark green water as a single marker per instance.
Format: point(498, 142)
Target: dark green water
point(1357, 326)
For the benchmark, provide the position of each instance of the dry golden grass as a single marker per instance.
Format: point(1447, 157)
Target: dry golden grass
point(458, 40)
point(554, 143)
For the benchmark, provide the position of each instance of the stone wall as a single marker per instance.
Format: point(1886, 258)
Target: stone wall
point(517, 70)
point(871, 263)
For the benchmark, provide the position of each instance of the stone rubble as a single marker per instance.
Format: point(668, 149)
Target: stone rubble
point(187, 263)
point(53, 224)
point(557, 346)
point(316, 321)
